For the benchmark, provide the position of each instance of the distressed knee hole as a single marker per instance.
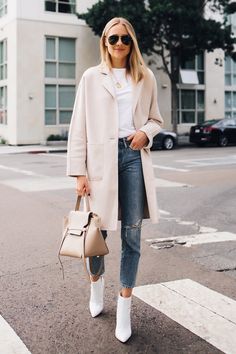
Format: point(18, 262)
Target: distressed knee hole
point(137, 225)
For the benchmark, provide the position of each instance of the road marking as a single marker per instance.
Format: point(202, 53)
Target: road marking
point(170, 168)
point(207, 229)
point(6, 150)
point(190, 240)
point(205, 312)
point(61, 155)
point(18, 170)
point(163, 183)
point(10, 342)
point(164, 212)
point(45, 183)
point(210, 161)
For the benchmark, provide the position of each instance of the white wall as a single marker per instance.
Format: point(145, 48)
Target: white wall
point(214, 78)
point(26, 41)
point(163, 91)
point(9, 131)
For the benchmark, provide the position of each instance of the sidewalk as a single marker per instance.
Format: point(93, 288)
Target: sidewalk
point(183, 141)
point(33, 149)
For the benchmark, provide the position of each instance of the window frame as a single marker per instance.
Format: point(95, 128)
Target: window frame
point(200, 72)
point(196, 109)
point(3, 8)
point(192, 87)
point(3, 83)
point(57, 108)
point(57, 81)
point(56, 60)
point(3, 109)
point(230, 112)
point(3, 64)
point(72, 3)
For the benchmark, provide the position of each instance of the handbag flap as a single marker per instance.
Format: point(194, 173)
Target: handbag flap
point(78, 220)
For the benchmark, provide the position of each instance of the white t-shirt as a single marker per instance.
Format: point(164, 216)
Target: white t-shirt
point(124, 101)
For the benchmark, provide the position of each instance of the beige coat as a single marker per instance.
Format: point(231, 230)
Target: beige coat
point(93, 140)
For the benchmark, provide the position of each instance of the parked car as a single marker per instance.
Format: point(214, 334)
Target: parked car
point(164, 140)
point(217, 131)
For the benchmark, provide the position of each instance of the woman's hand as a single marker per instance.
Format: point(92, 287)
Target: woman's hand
point(82, 186)
point(138, 140)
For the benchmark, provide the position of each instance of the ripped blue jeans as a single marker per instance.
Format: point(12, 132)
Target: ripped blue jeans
point(131, 200)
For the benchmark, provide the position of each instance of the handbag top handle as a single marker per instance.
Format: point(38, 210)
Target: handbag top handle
point(85, 203)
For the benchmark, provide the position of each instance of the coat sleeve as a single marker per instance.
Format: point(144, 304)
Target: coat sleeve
point(155, 120)
point(76, 147)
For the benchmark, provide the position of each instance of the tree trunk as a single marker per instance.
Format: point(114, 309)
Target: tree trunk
point(174, 98)
point(175, 64)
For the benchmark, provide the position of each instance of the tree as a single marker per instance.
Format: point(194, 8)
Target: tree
point(175, 31)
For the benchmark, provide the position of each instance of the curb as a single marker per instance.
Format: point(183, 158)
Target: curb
point(6, 150)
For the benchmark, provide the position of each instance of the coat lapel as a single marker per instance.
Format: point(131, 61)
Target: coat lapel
point(107, 80)
point(109, 86)
point(136, 93)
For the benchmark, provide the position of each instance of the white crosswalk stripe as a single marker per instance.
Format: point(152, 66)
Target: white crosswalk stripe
point(196, 239)
point(210, 161)
point(168, 168)
point(38, 183)
point(204, 312)
point(10, 343)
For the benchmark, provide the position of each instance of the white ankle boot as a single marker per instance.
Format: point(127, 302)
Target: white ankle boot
point(123, 323)
point(96, 297)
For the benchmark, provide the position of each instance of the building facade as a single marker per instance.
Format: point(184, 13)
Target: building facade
point(42, 57)
point(44, 49)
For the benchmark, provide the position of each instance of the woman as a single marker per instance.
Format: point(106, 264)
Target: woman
point(114, 120)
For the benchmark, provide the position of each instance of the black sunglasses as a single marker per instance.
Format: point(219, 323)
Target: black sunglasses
point(125, 39)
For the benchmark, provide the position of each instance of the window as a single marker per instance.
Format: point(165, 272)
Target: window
point(59, 101)
point(232, 21)
point(191, 106)
point(230, 93)
point(3, 60)
point(3, 7)
point(3, 105)
point(197, 63)
point(65, 6)
point(230, 71)
point(3, 87)
point(230, 104)
point(59, 80)
point(60, 58)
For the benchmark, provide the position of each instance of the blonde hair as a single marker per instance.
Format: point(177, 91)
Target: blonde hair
point(135, 63)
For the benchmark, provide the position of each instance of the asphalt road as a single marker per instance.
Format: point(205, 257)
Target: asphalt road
point(197, 198)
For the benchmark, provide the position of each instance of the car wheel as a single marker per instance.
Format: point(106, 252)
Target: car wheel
point(168, 143)
point(223, 141)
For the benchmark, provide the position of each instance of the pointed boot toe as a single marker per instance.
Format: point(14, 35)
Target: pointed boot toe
point(123, 323)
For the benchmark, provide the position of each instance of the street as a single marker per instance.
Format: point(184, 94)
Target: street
point(185, 296)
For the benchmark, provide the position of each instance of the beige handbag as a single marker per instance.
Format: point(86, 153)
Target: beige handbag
point(82, 236)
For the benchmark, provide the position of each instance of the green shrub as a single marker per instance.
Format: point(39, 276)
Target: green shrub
point(56, 137)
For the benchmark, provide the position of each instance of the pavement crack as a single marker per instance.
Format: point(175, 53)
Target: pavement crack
point(225, 269)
